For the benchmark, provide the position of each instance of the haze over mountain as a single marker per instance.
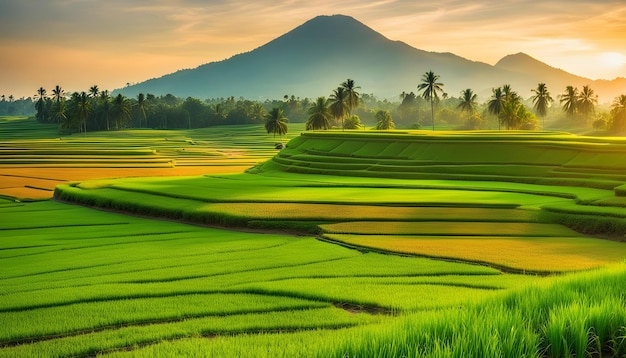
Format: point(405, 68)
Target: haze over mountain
point(317, 56)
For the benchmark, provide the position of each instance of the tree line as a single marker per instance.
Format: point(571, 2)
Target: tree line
point(10, 106)
point(513, 112)
point(510, 110)
point(96, 110)
point(344, 108)
point(335, 111)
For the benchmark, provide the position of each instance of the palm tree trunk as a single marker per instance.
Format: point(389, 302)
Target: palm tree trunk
point(432, 112)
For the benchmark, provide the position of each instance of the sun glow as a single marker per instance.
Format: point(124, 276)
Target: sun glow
point(613, 59)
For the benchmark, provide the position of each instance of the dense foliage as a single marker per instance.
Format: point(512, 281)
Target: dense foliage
point(9, 106)
point(505, 109)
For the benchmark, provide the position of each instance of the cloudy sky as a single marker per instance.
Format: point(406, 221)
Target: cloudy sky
point(79, 43)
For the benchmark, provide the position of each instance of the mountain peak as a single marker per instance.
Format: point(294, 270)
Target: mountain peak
point(333, 20)
point(336, 28)
point(519, 60)
point(312, 58)
point(334, 17)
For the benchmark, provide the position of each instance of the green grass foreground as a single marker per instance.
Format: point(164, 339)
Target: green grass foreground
point(581, 316)
point(83, 282)
point(76, 281)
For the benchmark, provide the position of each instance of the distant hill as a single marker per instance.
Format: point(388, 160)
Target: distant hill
point(314, 58)
point(535, 71)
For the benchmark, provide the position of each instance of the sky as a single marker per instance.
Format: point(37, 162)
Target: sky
point(80, 43)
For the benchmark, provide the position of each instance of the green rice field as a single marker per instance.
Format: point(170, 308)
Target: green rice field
point(34, 158)
point(343, 244)
point(83, 282)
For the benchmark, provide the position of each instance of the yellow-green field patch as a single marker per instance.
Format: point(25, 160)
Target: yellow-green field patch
point(435, 228)
point(333, 212)
point(536, 254)
point(14, 180)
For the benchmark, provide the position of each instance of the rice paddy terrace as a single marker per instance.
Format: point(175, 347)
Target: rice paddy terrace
point(523, 157)
point(407, 244)
point(510, 201)
point(34, 158)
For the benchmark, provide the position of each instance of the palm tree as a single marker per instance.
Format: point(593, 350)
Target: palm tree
point(70, 122)
point(509, 114)
point(59, 113)
point(105, 107)
point(468, 101)
point(58, 107)
point(542, 101)
point(587, 101)
point(142, 107)
point(512, 108)
point(58, 93)
point(40, 105)
point(339, 104)
point(220, 112)
point(82, 110)
point(121, 110)
point(618, 113)
point(257, 112)
point(569, 100)
point(41, 94)
point(94, 91)
point(353, 95)
point(320, 115)
point(353, 122)
point(385, 121)
point(276, 122)
point(510, 95)
point(429, 88)
point(495, 104)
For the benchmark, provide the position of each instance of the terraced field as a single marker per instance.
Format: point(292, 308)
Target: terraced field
point(532, 157)
point(517, 223)
point(350, 244)
point(34, 158)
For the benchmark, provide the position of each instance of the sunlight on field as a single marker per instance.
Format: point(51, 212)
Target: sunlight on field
point(331, 212)
point(25, 193)
point(458, 227)
point(15, 180)
point(533, 254)
point(30, 151)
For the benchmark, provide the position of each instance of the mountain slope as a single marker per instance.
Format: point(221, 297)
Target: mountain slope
point(315, 57)
point(535, 71)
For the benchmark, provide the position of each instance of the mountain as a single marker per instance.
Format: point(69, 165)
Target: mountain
point(535, 71)
point(314, 58)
